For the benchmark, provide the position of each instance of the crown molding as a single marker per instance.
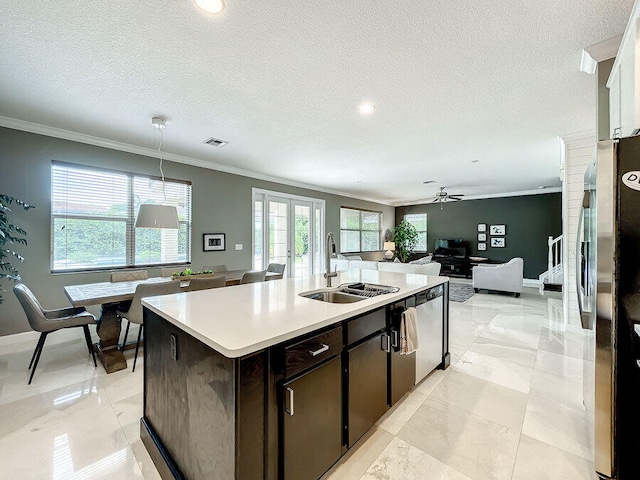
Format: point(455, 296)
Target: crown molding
point(585, 134)
point(599, 52)
point(628, 31)
point(55, 132)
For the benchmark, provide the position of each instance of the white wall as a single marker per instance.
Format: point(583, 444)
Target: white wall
point(579, 151)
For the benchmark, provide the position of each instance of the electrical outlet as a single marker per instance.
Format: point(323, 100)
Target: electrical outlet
point(173, 349)
point(238, 246)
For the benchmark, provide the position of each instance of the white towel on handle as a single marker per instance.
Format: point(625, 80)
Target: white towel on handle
point(408, 331)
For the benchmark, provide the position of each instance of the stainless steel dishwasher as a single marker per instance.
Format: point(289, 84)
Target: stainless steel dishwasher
point(429, 309)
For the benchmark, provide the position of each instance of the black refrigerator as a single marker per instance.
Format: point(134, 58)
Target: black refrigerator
point(608, 286)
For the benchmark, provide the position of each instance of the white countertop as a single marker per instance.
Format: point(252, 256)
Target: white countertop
point(243, 319)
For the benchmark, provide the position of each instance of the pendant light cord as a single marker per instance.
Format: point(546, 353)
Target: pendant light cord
point(164, 193)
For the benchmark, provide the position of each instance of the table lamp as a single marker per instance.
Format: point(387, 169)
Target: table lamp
point(389, 247)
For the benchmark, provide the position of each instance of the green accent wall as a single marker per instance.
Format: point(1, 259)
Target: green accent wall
point(529, 221)
point(221, 204)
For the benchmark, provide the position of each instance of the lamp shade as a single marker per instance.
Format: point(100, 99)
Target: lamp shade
point(389, 246)
point(157, 216)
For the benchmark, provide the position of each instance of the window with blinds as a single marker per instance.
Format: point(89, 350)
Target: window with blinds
point(93, 214)
point(360, 230)
point(419, 220)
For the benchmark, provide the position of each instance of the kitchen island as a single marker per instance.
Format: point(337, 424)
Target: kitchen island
point(256, 381)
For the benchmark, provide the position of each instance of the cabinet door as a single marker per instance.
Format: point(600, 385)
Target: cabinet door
point(403, 374)
point(312, 422)
point(367, 386)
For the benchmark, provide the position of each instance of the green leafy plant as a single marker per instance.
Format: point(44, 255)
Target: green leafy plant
point(405, 237)
point(188, 272)
point(10, 234)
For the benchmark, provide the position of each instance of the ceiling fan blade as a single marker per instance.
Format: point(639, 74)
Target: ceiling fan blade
point(435, 200)
point(457, 195)
point(455, 199)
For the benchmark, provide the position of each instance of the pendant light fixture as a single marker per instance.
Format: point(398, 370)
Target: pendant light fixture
point(152, 215)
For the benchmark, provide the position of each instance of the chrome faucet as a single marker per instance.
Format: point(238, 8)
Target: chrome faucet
point(331, 250)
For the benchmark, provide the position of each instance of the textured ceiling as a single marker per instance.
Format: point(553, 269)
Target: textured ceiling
point(453, 81)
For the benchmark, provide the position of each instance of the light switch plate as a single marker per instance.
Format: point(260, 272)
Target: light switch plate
point(238, 246)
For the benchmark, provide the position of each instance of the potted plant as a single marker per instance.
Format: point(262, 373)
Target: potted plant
point(405, 237)
point(10, 234)
point(189, 272)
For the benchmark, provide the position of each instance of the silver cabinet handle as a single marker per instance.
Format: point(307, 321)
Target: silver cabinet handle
point(385, 343)
point(322, 349)
point(290, 409)
point(394, 339)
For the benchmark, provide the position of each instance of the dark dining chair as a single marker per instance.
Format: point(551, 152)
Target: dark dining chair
point(48, 321)
point(134, 313)
point(206, 283)
point(253, 277)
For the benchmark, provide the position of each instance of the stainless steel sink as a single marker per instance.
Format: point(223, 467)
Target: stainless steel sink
point(332, 297)
point(349, 292)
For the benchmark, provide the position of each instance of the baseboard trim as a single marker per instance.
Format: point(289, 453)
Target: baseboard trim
point(19, 338)
point(531, 282)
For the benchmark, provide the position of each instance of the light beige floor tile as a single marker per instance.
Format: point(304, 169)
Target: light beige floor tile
point(563, 390)
point(503, 372)
point(562, 342)
point(540, 461)
point(86, 441)
point(456, 354)
point(521, 323)
point(473, 313)
point(464, 332)
point(431, 381)
point(505, 350)
point(360, 457)
point(485, 399)
point(566, 367)
point(45, 409)
point(558, 425)
point(401, 412)
point(401, 460)
point(468, 443)
point(508, 336)
point(129, 411)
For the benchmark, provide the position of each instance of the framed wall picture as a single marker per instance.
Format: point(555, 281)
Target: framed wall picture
point(482, 237)
point(482, 246)
point(212, 242)
point(497, 230)
point(498, 242)
point(482, 227)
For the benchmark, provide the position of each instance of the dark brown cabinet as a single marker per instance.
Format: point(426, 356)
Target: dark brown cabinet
point(367, 386)
point(402, 368)
point(312, 422)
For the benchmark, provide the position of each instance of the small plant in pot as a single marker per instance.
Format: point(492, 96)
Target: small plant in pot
point(10, 234)
point(405, 237)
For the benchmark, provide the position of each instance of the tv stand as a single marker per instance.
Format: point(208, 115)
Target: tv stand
point(455, 266)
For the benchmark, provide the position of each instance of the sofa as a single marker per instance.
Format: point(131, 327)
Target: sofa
point(432, 268)
point(506, 277)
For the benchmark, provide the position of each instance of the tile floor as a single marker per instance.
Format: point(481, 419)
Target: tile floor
point(510, 406)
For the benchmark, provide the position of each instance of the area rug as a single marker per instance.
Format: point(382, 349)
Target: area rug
point(459, 292)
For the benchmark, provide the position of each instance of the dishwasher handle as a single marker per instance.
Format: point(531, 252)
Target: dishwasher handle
point(428, 295)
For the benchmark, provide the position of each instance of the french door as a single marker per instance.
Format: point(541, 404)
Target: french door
point(288, 229)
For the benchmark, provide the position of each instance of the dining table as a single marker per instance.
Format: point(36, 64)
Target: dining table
point(110, 296)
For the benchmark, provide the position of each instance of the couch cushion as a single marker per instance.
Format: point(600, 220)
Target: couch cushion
point(364, 264)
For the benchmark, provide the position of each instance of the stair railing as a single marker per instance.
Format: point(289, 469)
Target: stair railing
point(554, 258)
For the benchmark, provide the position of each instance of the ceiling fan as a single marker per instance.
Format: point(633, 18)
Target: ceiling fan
point(443, 197)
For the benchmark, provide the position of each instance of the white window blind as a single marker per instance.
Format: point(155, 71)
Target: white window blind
point(360, 230)
point(419, 220)
point(93, 214)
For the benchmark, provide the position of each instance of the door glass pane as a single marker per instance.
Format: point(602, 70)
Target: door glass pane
point(318, 242)
point(302, 234)
point(278, 232)
point(257, 246)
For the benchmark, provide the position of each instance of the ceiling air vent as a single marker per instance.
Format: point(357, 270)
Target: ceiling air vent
point(216, 142)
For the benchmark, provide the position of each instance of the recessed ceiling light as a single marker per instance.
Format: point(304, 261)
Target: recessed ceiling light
point(211, 6)
point(366, 108)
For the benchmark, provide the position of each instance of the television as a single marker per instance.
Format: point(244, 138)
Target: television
point(455, 247)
